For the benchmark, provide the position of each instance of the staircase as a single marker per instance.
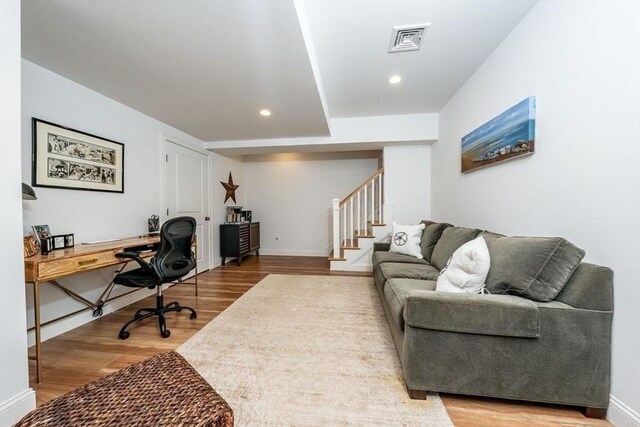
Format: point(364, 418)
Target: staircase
point(358, 222)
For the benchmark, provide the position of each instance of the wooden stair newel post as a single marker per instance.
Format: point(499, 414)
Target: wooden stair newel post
point(336, 227)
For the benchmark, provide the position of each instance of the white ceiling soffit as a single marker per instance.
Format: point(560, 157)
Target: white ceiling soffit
point(204, 67)
point(352, 39)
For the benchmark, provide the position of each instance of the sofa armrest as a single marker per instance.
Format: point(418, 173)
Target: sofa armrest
point(381, 246)
point(499, 315)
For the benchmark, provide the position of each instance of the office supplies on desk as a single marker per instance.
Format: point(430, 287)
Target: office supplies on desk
point(153, 224)
point(97, 242)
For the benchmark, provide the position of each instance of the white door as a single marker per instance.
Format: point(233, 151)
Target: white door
point(187, 193)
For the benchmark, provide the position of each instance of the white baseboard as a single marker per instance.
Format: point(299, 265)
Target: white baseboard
point(367, 267)
point(294, 252)
point(621, 415)
point(13, 409)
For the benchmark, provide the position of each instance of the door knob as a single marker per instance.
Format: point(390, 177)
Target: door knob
point(206, 218)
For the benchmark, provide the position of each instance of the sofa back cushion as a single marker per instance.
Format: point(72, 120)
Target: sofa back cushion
point(486, 235)
point(532, 267)
point(590, 287)
point(452, 238)
point(430, 236)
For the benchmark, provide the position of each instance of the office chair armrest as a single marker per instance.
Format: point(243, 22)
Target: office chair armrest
point(134, 256)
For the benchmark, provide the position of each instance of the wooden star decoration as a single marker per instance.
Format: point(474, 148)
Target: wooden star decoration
point(230, 187)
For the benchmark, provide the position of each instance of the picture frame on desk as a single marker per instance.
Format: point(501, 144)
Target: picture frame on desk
point(41, 232)
point(74, 160)
point(62, 241)
point(58, 242)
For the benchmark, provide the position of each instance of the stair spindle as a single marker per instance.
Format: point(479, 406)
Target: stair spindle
point(365, 207)
point(352, 233)
point(359, 230)
point(380, 199)
point(344, 224)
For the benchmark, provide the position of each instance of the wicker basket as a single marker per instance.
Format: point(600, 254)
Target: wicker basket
point(161, 391)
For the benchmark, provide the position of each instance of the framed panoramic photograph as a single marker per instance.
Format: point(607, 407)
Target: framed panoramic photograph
point(75, 160)
point(507, 136)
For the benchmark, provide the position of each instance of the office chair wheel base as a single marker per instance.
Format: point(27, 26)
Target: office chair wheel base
point(165, 333)
point(123, 335)
point(193, 315)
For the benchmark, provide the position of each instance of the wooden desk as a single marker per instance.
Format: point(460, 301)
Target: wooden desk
point(78, 259)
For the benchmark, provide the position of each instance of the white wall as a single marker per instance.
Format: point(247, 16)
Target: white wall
point(347, 134)
point(91, 215)
point(220, 168)
point(582, 62)
point(290, 194)
point(16, 398)
point(407, 182)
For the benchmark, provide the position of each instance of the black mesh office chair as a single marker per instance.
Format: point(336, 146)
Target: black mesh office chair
point(173, 260)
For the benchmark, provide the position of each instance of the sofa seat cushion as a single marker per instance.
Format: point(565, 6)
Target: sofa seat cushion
point(396, 291)
point(430, 236)
point(396, 270)
point(380, 257)
point(452, 238)
point(479, 314)
point(532, 267)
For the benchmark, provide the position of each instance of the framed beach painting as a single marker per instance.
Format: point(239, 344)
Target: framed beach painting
point(507, 136)
point(75, 160)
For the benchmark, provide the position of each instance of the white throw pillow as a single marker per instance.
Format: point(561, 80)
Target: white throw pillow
point(467, 269)
point(405, 239)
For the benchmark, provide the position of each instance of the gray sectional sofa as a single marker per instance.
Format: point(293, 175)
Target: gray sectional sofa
point(543, 334)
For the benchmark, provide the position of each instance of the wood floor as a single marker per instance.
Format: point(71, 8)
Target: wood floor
point(93, 350)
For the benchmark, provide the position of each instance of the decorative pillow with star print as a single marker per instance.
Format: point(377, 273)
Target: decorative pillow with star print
point(405, 239)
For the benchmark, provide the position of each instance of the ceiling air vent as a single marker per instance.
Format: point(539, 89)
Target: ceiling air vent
point(407, 37)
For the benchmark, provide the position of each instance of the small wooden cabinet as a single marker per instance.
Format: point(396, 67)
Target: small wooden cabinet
point(238, 240)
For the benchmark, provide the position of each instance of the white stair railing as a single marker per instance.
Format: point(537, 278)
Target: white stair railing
point(362, 205)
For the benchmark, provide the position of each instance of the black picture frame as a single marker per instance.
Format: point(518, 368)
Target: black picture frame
point(58, 242)
point(70, 159)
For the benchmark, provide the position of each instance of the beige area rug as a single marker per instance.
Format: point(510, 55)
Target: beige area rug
point(308, 350)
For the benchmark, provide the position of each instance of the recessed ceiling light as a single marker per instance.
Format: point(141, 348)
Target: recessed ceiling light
point(394, 80)
point(265, 112)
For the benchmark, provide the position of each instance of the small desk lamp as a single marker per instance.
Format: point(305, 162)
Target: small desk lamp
point(28, 193)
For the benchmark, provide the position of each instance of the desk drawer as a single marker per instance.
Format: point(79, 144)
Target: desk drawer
point(68, 266)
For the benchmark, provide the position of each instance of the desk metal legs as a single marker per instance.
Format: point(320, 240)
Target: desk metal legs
point(100, 302)
point(95, 306)
point(36, 311)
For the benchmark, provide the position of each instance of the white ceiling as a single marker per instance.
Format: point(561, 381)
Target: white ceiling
point(204, 67)
point(351, 39)
point(207, 67)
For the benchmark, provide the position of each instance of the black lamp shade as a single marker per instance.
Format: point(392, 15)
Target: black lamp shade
point(28, 193)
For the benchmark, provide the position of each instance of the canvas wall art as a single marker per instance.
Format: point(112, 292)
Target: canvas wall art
point(507, 136)
point(75, 160)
